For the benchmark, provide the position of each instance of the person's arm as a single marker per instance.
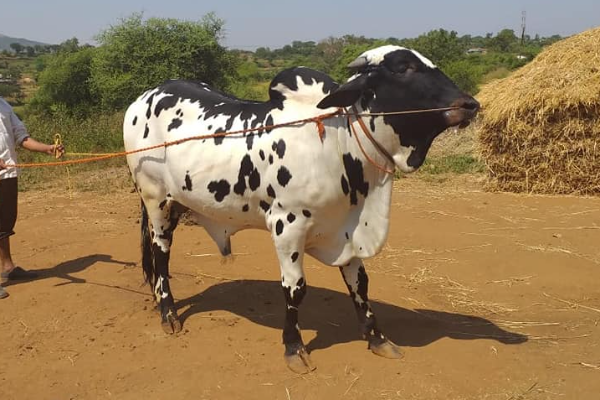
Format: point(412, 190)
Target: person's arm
point(33, 145)
point(27, 142)
point(18, 128)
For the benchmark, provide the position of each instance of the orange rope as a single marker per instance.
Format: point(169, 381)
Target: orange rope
point(318, 120)
point(364, 128)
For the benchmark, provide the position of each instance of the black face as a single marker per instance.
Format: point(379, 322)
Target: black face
point(402, 81)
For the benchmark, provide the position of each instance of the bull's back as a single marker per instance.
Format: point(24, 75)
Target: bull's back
point(237, 177)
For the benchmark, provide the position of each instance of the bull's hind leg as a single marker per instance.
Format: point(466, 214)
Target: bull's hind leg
point(163, 217)
point(357, 282)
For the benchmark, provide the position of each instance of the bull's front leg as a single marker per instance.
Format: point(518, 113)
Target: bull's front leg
point(289, 243)
point(357, 281)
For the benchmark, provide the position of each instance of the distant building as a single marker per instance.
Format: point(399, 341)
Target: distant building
point(477, 50)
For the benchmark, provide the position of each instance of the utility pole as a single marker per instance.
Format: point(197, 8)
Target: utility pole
point(523, 24)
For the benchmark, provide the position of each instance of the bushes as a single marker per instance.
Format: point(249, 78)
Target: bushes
point(9, 90)
point(133, 56)
point(64, 83)
point(96, 133)
point(137, 55)
point(464, 74)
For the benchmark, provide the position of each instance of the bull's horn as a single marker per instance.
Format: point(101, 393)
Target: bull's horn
point(359, 63)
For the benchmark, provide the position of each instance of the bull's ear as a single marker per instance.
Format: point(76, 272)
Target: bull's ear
point(345, 95)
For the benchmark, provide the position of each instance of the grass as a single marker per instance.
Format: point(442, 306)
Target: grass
point(498, 73)
point(101, 176)
point(95, 134)
point(452, 164)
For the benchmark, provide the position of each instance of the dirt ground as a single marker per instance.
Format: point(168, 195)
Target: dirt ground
point(491, 296)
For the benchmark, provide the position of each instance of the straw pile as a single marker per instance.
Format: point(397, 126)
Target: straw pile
point(540, 128)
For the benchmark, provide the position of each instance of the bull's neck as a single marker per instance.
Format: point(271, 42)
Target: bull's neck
point(376, 163)
point(373, 162)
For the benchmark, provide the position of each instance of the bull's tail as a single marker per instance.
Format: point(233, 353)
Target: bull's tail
point(147, 258)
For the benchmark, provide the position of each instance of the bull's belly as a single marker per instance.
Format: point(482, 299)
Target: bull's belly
point(338, 251)
point(322, 241)
point(242, 212)
point(337, 242)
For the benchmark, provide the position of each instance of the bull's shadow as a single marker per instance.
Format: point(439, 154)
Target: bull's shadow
point(331, 314)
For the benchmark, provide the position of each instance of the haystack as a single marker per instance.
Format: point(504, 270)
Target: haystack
point(540, 128)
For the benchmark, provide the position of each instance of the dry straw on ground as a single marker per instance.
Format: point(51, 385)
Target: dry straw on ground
point(540, 130)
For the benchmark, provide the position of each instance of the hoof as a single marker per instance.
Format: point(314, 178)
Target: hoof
point(300, 362)
point(171, 324)
point(386, 349)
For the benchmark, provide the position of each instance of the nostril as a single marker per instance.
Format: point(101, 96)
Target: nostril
point(467, 103)
point(470, 104)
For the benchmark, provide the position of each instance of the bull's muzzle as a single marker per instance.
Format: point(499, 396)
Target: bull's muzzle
point(465, 111)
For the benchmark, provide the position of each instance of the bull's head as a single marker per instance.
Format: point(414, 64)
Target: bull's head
point(392, 78)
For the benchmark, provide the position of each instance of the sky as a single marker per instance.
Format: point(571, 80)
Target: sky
point(274, 23)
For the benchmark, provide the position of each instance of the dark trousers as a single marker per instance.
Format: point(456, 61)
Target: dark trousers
point(8, 206)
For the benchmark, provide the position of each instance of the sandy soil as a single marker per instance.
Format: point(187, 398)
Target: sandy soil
point(491, 296)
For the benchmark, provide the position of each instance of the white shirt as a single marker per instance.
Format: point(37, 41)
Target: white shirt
point(12, 133)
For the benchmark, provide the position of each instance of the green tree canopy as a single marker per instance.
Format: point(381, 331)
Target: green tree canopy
point(17, 47)
point(440, 46)
point(136, 55)
point(64, 83)
point(504, 41)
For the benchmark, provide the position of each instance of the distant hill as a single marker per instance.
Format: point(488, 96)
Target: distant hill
point(5, 42)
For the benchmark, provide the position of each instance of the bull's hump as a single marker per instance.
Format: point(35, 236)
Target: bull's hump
point(300, 84)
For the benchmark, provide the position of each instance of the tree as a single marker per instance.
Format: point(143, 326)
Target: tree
point(64, 83)
point(69, 45)
point(331, 50)
point(440, 46)
point(341, 72)
point(464, 74)
point(17, 47)
point(264, 52)
point(504, 40)
point(136, 55)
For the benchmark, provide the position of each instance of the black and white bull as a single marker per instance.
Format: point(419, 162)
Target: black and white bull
point(319, 195)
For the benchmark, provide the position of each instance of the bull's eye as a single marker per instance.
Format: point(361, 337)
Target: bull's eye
point(402, 69)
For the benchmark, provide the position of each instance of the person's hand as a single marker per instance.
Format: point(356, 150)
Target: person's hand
point(56, 150)
point(2, 165)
